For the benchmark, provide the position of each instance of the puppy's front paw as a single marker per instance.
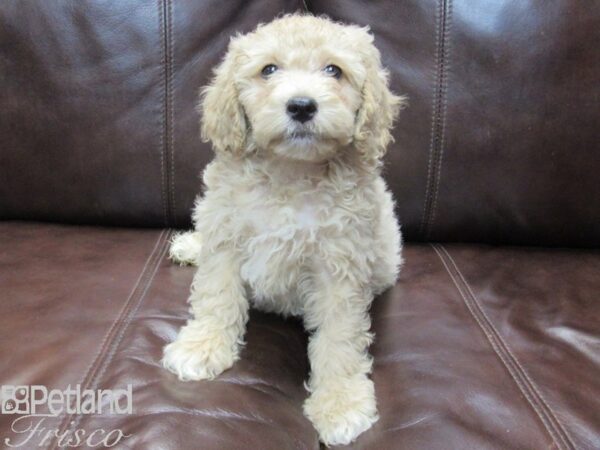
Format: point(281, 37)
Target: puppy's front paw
point(342, 410)
point(202, 358)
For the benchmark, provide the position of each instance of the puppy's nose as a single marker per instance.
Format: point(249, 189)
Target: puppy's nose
point(301, 109)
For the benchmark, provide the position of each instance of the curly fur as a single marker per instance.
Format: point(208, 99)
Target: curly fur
point(294, 224)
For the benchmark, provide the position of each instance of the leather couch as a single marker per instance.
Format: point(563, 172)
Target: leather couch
point(489, 340)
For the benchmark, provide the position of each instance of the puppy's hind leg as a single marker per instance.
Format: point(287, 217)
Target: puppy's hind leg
point(185, 248)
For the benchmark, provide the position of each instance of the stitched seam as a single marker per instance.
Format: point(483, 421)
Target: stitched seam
point(161, 140)
point(495, 347)
point(502, 351)
point(445, 66)
point(74, 421)
point(171, 109)
point(167, 108)
point(433, 118)
point(108, 340)
point(438, 109)
point(560, 427)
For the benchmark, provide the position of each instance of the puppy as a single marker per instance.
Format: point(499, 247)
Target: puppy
point(295, 217)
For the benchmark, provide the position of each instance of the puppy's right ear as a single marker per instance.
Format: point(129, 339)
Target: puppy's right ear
point(223, 121)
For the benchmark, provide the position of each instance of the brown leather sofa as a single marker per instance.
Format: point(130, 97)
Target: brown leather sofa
point(489, 340)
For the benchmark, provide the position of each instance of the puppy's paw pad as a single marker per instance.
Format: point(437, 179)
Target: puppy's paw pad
point(340, 413)
point(202, 359)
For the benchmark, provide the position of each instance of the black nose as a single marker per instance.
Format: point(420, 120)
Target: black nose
point(301, 109)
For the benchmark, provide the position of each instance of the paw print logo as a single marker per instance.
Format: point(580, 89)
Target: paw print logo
point(14, 399)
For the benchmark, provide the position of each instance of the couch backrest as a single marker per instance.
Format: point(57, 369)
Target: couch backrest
point(500, 143)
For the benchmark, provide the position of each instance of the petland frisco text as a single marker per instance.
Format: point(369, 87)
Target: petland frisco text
point(36, 405)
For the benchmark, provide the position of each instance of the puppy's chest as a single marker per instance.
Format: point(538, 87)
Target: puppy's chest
point(300, 218)
point(281, 235)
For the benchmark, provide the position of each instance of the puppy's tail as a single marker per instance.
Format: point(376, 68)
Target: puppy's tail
point(185, 248)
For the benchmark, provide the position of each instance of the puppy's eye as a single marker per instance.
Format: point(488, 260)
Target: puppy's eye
point(333, 71)
point(269, 69)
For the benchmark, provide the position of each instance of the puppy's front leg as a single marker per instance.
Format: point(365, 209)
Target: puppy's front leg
point(342, 400)
point(210, 342)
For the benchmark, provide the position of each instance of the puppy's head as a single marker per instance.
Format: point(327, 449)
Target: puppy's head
point(300, 87)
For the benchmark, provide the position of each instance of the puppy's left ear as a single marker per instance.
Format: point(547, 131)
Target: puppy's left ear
point(379, 107)
point(223, 120)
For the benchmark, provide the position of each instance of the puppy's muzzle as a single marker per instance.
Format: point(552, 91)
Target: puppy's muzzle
point(301, 109)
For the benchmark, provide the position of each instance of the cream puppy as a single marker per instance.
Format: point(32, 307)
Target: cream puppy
point(295, 217)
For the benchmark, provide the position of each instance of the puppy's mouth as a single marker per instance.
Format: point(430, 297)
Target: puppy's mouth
point(300, 135)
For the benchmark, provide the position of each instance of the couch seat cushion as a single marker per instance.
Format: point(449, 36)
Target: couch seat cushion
point(476, 347)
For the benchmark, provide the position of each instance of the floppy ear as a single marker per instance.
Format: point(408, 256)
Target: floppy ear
point(378, 110)
point(223, 121)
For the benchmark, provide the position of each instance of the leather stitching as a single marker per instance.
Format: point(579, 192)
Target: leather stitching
point(114, 335)
point(121, 334)
point(163, 171)
point(517, 372)
point(422, 228)
point(438, 116)
point(171, 109)
point(510, 352)
point(445, 67)
point(167, 140)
